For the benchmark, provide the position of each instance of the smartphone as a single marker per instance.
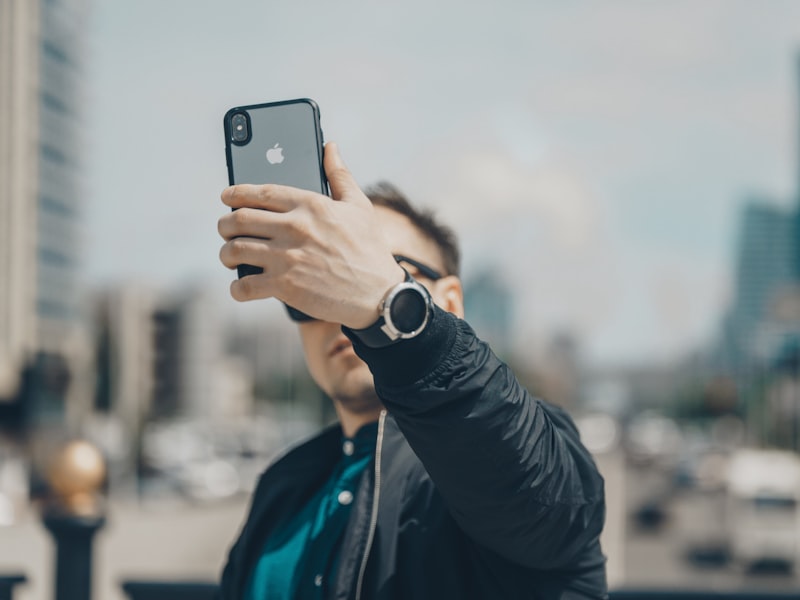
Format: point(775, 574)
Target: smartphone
point(276, 142)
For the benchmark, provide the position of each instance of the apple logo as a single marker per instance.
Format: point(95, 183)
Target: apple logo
point(275, 155)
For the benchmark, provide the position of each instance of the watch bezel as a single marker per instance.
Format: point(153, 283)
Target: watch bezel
point(388, 327)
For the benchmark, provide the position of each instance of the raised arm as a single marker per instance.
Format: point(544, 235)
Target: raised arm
point(510, 467)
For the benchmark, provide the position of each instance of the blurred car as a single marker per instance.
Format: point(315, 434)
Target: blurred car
point(763, 496)
point(204, 460)
point(599, 432)
point(653, 439)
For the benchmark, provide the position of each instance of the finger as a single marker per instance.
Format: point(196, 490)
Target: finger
point(343, 184)
point(250, 222)
point(271, 197)
point(252, 287)
point(246, 251)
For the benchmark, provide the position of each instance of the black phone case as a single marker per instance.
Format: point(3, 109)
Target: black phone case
point(283, 144)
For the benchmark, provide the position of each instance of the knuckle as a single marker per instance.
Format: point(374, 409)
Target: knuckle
point(243, 289)
point(233, 195)
point(265, 194)
point(226, 225)
point(322, 212)
point(298, 261)
point(236, 248)
point(236, 290)
point(230, 254)
point(298, 228)
point(241, 218)
point(223, 255)
point(319, 203)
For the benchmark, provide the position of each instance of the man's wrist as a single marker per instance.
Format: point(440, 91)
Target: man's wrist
point(406, 362)
point(371, 311)
point(404, 313)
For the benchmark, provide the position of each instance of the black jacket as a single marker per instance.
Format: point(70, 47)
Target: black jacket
point(478, 490)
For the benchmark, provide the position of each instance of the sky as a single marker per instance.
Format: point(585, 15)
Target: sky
point(595, 156)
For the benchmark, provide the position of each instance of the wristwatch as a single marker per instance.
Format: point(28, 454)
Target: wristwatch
point(404, 312)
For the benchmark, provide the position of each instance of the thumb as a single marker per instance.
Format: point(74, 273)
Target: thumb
point(343, 184)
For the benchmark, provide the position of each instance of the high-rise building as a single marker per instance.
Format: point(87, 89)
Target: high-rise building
point(766, 266)
point(42, 76)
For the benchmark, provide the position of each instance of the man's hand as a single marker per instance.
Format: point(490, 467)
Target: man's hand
point(324, 257)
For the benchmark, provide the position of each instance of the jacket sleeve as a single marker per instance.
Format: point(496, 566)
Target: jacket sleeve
point(510, 467)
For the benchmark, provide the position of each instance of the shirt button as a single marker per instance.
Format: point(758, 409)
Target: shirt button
point(348, 448)
point(318, 580)
point(345, 497)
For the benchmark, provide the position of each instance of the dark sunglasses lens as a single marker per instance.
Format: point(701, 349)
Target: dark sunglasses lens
point(296, 315)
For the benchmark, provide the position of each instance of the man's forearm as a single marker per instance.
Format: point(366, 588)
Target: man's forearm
point(511, 468)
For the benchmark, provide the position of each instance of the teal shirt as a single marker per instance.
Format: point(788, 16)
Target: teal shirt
point(299, 559)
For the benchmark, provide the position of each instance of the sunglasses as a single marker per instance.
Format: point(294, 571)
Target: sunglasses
point(423, 270)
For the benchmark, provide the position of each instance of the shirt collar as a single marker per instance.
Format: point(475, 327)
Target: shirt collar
point(362, 443)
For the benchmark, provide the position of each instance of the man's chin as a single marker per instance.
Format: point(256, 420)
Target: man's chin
point(356, 391)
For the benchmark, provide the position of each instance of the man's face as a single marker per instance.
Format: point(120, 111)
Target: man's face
point(333, 364)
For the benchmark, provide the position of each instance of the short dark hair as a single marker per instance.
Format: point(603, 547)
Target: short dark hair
point(387, 195)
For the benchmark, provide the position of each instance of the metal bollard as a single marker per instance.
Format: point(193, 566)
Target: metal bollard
point(7, 584)
point(74, 515)
point(73, 537)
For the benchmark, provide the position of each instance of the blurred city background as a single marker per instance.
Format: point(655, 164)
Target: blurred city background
point(623, 176)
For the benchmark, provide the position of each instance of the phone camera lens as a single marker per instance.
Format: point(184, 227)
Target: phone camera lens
point(239, 130)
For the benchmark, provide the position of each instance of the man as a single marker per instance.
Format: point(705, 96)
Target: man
point(444, 478)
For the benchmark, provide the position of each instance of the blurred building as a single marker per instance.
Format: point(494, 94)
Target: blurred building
point(489, 307)
point(762, 322)
point(780, 327)
point(761, 319)
point(561, 371)
point(762, 327)
point(42, 76)
point(766, 269)
point(125, 354)
point(266, 342)
point(159, 359)
point(165, 357)
point(211, 382)
point(124, 376)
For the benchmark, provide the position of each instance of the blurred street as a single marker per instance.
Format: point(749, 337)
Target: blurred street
point(685, 550)
point(659, 535)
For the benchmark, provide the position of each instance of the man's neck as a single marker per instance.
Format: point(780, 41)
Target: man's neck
point(351, 422)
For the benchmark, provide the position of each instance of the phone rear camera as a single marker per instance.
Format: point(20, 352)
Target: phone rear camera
point(239, 129)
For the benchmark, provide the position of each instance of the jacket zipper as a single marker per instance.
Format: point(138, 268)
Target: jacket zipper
point(376, 495)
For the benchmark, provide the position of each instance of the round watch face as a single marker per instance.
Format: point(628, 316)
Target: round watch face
point(408, 310)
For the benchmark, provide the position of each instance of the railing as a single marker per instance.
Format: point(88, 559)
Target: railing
point(143, 590)
point(166, 590)
point(199, 590)
point(700, 595)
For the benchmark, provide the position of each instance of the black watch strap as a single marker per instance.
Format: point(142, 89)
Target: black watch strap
point(410, 317)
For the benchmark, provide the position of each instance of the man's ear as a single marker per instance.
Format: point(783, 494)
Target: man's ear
point(449, 295)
